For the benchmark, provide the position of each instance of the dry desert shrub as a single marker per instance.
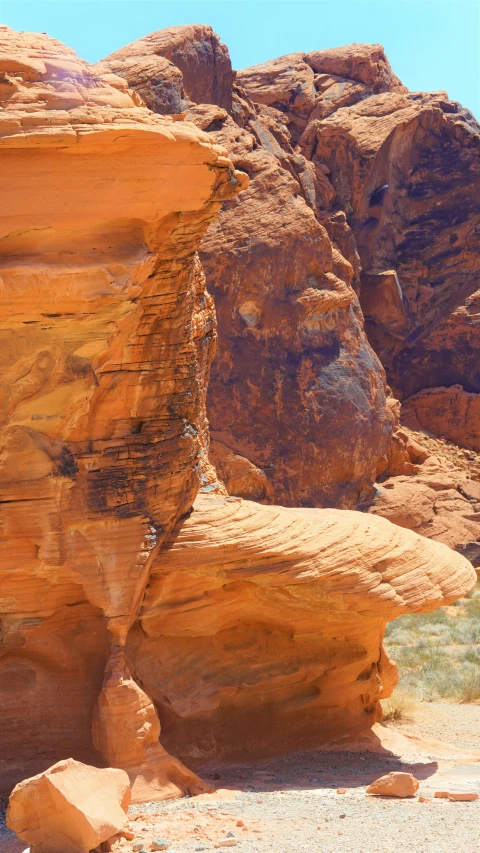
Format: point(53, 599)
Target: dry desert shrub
point(438, 653)
point(400, 707)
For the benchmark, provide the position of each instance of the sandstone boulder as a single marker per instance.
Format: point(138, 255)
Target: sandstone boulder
point(395, 784)
point(70, 808)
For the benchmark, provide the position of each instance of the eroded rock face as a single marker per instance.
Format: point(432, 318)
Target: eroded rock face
point(262, 626)
point(108, 332)
point(295, 390)
point(172, 66)
point(449, 412)
point(404, 167)
point(107, 335)
point(297, 399)
point(309, 86)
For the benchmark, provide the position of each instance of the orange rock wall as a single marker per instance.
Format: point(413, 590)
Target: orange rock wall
point(107, 336)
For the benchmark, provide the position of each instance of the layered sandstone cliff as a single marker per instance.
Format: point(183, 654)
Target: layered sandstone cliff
point(261, 630)
point(107, 336)
point(121, 610)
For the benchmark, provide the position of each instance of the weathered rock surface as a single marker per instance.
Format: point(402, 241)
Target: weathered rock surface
point(322, 135)
point(405, 169)
point(293, 359)
point(262, 626)
point(172, 66)
point(107, 334)
point(257, 628)
point(395, 784)
point(70, 808)
point(295, 391)
point(449, 412)
point(310, 86)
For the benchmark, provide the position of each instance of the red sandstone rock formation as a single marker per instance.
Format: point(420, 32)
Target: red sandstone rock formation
point(297, 401)
point(176, 65)
point(331, 132)
point(108, 334)
point(107, 338)
point(449, 412)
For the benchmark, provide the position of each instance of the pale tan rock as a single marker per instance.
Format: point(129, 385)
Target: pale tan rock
point(395, 784)
point(70, 808)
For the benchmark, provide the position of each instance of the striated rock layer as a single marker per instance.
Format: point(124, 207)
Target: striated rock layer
point(107, 335)
point(358, 187)
point(297, 399)
point(261, 629)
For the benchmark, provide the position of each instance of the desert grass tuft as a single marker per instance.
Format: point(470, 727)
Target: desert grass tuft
point(400, 707)
point(438, 653)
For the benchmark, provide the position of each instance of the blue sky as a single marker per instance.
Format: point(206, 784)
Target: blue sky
point(431, 44)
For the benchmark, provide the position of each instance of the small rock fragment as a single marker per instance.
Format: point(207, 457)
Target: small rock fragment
point(463, 798)
point(341, 790)
point(127, 833)
point(394, 784)
point(160, 844)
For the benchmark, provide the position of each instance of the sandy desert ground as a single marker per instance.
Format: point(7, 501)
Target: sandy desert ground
point(292, 804)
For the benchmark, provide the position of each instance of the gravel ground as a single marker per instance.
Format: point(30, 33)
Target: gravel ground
point(291, 804)
point(458, 725)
